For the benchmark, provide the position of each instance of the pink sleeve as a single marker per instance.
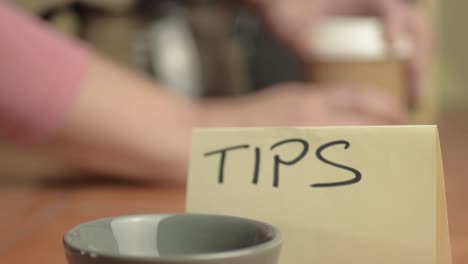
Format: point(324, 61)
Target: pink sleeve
point(40, 75)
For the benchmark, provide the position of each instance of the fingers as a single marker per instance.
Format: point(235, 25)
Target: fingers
point(368, 104)
point(293, 23)
point(402, 19)
point(299, 104)
point(357, 119)
point(392, 17)
point(422, 39)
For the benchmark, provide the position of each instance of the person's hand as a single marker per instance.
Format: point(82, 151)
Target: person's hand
point(297, 104)
point(293, 21)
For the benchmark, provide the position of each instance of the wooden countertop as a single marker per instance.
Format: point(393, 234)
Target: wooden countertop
point(36, 212)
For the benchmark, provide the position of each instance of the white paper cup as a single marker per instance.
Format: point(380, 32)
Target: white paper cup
point(354, 50)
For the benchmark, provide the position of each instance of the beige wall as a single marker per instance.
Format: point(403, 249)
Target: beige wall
point(449, 80)
point(453, 53)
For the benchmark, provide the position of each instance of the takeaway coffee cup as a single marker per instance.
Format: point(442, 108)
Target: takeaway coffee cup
point(353, 50)
point(172, 238)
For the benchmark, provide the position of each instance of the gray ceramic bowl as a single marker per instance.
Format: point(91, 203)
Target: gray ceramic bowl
point(173, 238)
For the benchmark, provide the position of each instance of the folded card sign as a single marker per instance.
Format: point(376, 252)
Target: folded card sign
point(338, 194)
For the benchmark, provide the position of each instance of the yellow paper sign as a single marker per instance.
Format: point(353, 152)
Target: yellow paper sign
point(338, 194)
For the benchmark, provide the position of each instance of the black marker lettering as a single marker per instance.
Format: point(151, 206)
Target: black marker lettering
point(279, 161)
point(223, 152)
point(357, 174)
point(257, 166)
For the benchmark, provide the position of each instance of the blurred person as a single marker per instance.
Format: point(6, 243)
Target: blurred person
point(293, 21)
point(59, 98)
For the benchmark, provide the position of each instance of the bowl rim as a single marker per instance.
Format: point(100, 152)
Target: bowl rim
point(268, 245)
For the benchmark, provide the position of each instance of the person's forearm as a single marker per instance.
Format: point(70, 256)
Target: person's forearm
point(124, 124)
point(40, 74)
point(58, 98)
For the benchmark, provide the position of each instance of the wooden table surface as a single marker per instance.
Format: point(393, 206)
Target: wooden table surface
point(35, 213)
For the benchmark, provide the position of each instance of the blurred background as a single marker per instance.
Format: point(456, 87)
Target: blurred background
point(204, 48)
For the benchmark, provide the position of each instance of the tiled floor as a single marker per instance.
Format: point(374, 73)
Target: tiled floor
point(35, 213)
